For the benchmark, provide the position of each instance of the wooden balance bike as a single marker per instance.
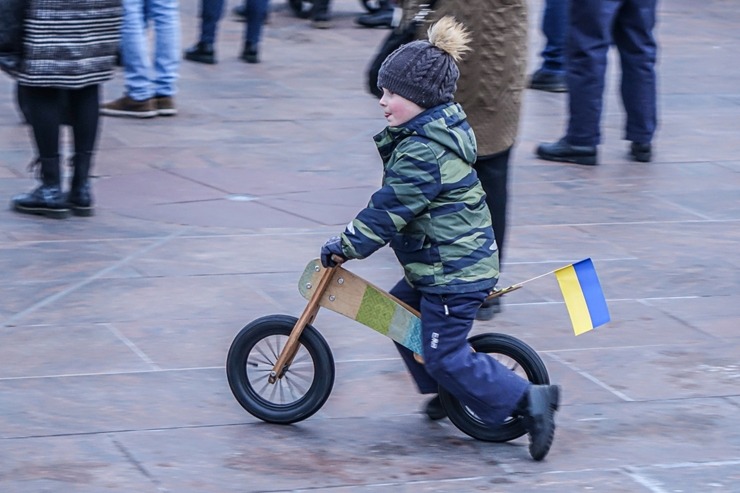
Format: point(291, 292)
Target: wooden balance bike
point(281, 369)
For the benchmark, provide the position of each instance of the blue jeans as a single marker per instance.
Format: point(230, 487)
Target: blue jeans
point(595, 25)
point(554, 27)
point(256, 14)
point(210, 13)
point(141, 83)
point(486, 386)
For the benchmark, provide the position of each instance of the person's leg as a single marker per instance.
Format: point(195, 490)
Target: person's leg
point(633, 36)
point(210, 14)
point(554, 27)
point(45, 116)
point(412, 297)
point(135, 51)
point(589, 37)
point(488, 388)
point(588, 43)
point(165, 17)
point(551, 75)
point(138, 101)
point(85, 123)
point(256, 14)
point(493, 172)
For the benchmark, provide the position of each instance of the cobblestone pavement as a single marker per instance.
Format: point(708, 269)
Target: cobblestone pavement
point(115, 328)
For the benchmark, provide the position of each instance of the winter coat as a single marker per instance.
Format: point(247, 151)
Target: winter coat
point(431, 206)
point(493, 73)
point(70, 43)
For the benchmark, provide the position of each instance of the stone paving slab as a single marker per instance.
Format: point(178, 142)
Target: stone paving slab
point(114, 329)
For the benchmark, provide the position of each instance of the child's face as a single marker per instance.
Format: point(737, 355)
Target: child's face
point(397, 109)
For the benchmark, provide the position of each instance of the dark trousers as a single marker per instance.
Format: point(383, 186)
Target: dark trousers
point(487, 387)
point(554, 27)
point(493, 173)
point(47, 108)
point(256, 15)
point(210, 13)
point(212, 10)
point(594, 26)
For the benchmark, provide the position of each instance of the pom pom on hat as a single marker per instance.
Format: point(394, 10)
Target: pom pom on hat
point(424, 71)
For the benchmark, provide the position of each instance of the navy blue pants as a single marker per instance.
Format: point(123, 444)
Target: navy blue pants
point(212, 10)
point(554, 27)
point(487, 387)
point(594, 26)
point(210, 14)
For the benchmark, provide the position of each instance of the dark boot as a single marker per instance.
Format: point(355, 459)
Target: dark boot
point(250, 54)
point(383, 17)
point(321, 16)
point(80, 198)
point(537, 409)
point(201, 52)
point(46, 200)
point(434, 409)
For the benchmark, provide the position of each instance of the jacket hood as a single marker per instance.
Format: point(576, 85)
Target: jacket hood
point(445, 124)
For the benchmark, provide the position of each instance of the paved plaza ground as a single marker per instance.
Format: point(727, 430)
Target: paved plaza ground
point(114, 329)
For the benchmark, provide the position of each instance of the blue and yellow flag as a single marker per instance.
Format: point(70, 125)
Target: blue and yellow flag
point(583, 296)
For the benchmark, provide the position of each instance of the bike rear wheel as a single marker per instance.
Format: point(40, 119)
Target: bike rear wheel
point(306, 383)
point(518, 357)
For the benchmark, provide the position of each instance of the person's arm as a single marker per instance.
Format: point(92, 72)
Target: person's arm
point(412, 180)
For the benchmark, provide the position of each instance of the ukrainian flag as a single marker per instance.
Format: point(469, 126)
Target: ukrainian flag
point(583, 296)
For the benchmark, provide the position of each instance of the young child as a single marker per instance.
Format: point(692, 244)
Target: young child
point(432, 210)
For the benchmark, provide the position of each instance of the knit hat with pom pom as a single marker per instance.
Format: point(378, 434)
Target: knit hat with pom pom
point(426, 72)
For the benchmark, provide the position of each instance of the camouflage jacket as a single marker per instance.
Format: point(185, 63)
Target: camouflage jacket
point(431, 207)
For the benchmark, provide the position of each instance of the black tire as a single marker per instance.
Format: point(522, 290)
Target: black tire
point(301, 8)
point(371, 5)
point(306, 383)
point(515, 355)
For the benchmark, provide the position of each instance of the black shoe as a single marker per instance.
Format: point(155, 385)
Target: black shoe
point(543, 80)
point(642, 153)
point(249, 54)
point(539, 418)
point(488, 309)
point(381, 18)
point(80, 201)
point(564, 152)
point(201, 53)
point(434, 409)
point(46, 200)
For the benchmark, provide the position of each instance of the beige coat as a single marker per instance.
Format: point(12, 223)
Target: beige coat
point(492, 75)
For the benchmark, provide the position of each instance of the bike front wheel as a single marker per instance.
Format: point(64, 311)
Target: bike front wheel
point(305, 384)
point(516, 356)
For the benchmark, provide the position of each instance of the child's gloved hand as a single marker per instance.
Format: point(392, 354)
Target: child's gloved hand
point(333, 246)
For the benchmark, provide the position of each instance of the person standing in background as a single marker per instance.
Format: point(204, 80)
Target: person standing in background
point(69, 49)
point(594, 26)
point(148, 94)
point(211, 11)
point(490, 88)
point(550, 76)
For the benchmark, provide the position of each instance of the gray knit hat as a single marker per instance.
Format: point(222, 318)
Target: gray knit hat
point(425, 72)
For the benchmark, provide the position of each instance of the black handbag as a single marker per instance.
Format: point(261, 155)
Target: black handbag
point(395, 39)
point(12, 17)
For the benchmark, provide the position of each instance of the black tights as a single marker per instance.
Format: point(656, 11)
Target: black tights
point(493, 172)
point(47, 108)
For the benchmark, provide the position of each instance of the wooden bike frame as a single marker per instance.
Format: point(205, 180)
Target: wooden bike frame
point(309, 314)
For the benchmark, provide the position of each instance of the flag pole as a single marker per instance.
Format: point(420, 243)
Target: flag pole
point(500, 292)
